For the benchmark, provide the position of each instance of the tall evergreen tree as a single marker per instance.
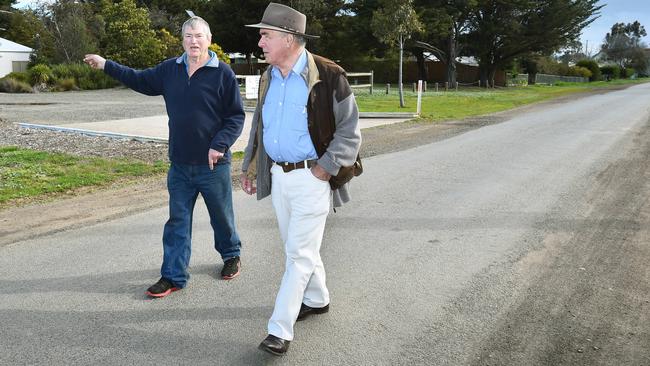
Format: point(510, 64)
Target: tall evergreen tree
point(503, 30)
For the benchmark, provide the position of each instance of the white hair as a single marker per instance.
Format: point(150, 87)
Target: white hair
point(194, 23)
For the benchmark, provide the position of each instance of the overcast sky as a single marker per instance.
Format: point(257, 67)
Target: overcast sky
point(615, 11)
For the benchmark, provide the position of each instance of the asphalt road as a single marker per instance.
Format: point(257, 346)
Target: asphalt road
point(520, 243)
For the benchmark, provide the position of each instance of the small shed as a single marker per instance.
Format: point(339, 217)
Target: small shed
point(14, 57)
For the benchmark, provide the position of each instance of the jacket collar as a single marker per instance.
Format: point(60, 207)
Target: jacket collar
point(311, 74)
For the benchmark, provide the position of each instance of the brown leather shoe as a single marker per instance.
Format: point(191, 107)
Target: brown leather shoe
point(274, 345)
point(306, 311)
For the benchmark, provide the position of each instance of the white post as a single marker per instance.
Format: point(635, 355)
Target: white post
point(419, 108)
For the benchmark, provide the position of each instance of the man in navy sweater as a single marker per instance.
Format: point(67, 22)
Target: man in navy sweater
point(205, 118)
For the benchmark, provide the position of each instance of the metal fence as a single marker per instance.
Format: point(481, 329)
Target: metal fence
point(522, 79)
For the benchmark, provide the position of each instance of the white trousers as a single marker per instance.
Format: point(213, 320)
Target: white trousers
point(301, 203)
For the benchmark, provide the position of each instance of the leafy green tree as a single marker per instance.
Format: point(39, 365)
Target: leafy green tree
point(323, 18)
point(358, 29)
point(328, 19)
point(229, 31)
point(172, 44)
point(393, 24)
point(624, 47)
point(129, 38)
point(502, 30)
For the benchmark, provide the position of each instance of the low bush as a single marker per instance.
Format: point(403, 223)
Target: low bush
point(593, 67)
point(610, 72)
point(40, 74)
point(627, 72)
point(66, 84)
point(20, 76)
point(580, 71)
point(10, 85)
point(85, 77)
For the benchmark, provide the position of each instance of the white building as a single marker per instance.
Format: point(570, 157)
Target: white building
point(13, 57)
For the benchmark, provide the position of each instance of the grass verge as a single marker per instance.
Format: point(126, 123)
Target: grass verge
point(26, 174)
point(473, 101)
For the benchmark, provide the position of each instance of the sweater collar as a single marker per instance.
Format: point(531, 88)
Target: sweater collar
point(212, 62)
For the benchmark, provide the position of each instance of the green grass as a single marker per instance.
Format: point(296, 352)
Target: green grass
point(472, 101)
point(27, 173)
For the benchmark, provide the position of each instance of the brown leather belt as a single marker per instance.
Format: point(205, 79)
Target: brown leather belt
point(287, 167)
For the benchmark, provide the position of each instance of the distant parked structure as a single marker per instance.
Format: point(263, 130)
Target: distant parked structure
point(14, 57)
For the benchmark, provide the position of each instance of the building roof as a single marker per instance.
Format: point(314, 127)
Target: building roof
point(9, 46)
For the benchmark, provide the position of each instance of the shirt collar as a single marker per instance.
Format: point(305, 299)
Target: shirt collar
point(298, 67)
point(213, 61)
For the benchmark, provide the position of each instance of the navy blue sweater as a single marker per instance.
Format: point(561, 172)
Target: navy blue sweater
point(205, 111)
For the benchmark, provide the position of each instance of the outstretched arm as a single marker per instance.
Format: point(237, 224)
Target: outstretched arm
point(95, 61)
point(148, 81)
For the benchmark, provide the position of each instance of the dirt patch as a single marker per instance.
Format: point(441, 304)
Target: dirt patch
point(586, 300)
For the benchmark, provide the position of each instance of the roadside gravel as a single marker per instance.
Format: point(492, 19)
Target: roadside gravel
point(81, 145)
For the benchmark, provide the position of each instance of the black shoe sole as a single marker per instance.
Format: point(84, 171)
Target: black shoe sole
point(266, 349)
point(314, 311)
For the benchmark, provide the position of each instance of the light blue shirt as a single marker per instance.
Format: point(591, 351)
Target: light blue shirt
point(213, 61)
point(286, 137)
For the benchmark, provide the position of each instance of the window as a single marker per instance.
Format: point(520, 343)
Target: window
point(19, 66)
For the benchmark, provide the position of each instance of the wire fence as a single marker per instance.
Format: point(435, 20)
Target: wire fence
point(522, 79)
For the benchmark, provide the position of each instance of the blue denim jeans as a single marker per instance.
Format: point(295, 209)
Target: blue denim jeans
point(184, 183)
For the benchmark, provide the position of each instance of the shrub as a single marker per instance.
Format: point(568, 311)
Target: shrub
point(20, 76)
point(593, 67)
point(10, 85)
point(627, 72)
point(40, 74)
point(611, 72)
point(65, 85)
point(85, 77)
point(221, 55)
point(96, 79)
point(579, 71)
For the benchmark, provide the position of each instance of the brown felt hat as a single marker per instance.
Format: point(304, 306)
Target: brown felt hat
point(283, 19)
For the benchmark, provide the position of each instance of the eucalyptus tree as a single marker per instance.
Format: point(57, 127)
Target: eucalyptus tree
point(624, 47)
